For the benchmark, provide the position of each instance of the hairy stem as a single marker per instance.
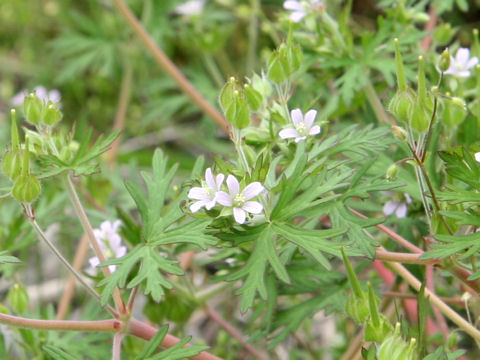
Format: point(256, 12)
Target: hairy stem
point(169, 67)
point(402, 257)
point(117, 346)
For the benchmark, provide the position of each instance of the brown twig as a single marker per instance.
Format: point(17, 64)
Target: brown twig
point(429, 26)
point(119, 122)
point(402, 257)
point(402, 295)
point(234, 332)
point(169, 67)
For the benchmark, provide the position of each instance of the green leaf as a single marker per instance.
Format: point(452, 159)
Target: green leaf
point(461, 165)
point(7, 259)
point(57, 353)
point(153, 344)
point(178, 351)
point(448, 245)
point(192, 232)
point(264, 253)
point(312, 241)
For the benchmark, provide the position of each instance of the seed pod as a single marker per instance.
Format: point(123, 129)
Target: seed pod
point(402, 103)
point(444, 61)
point(18, 298)
point(392, 172)
point(34, 109)
point(52, 114)
point(26, 188)
point(12, 164)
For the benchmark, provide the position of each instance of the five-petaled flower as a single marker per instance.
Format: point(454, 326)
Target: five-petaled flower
point(397, 207)
point(206, 195)
point(461, 64)
point(110, 243)
point(300, 9)
point(303, 126)
point(239, 200)
point(190, 8)
point(41, 92)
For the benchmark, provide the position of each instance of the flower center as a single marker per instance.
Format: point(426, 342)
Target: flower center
point(301, 129)
point(238, 200)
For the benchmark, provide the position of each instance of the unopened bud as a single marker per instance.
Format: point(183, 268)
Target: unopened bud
point(357, 308)
point(12, 164)
point(402, 103)
point(420, 118)
point(33, 108)
point(399, 133)
point(392, 172)
point(26, 188)
point(444, 61)
point(18, 298)
point(52, 114)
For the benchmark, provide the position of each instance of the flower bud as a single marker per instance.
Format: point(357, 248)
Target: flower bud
point(278, 67)
point(12, 164)
point(399, 133)
point(452, 340)
point(378, 331)
point(254, 98)
point(420, 118)
point(357, 308)
point(33, 108)
point(454, 111)
point(26, 188)
point(402, 103)
point(52, 114)
point(18, 298)
point(392, 172)
point(444, 61)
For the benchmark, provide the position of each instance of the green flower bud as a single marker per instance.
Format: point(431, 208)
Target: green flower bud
point(444, 61)
point(454, 111)
point(33, 108)
point(402, 103)
point(234, 104)
point(278, 67)
point(254, 98)
point(420, 118)
point(357, 308)
point(399, 133)
point(295, 57)
point(420, 17)
point(18, 298)
point(26, 188)
point(392, 172)
point(378, 331)
point(12, 164)
point(452, 340)
point(52, 114)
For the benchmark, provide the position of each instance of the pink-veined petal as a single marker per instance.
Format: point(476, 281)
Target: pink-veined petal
point(462, 56)
point(41, 92)
point(122, 250)
point(198, 193)
point(252, 190)
point(292, 5)
point(54, 96)
point(233, 185)
point(211, 204)
point(197, 206)
point(94, 262)
point(112, 268)
point(463, 73)
point(310, 118)
point(408, 198)
point(115, 241)
point(288, 133)
point(239, 215)
point(223, 198)
point(390, 207)
point(297, 116)
point(209, 179)
point(219, 181)
point(300, 138)
point(472, 62)
point(253, 207)
point(297, 16)
point(401, 211)
point(315, 130)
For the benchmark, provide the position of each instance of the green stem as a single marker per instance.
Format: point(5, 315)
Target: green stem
point(237, 133)
point(252, 36)
point(213, 69)
point(376, 104)
point(64, 261)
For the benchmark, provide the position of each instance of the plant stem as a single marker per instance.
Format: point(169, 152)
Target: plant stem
point(117, 346)
point(436, 301)
point(169, 67)
point(64, 261)
point(234, 332)
point(252, 36)
point(123, 101)
point(87, 227)
point(145, 331)
point(376, 104)
point(402, 295)
point(111, 325)
point(402, 257)
point(212, 68)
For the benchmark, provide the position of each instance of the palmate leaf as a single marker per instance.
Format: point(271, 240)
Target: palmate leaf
point(152, 264)
point(264, 253)
point(449, 245)
point(461, 165)
point(457, 195)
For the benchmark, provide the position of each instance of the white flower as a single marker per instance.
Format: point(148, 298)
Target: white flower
point(397, 207)
point(477, 156)
point(110, 243)
point(190, 8)
point(460, 65)
point(206, 195)
point(303, 126)
point(238, 200)
point(41, 92)
point(300, 9)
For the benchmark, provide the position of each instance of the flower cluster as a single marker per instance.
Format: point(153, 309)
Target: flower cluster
point(237, 199)
point(41, 92)
point(110, 243)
